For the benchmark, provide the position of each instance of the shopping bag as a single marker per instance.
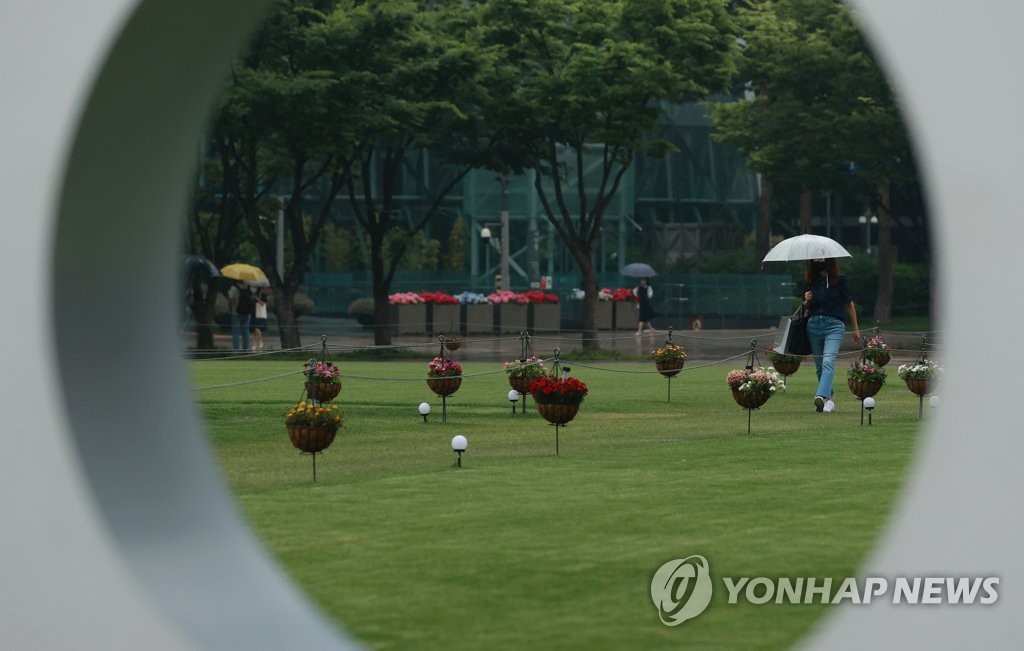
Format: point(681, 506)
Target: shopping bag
point(791, 337)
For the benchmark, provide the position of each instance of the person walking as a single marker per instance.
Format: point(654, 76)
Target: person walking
point(828, 303)
point(259, 319)
point(645, 307)
point(240, 304)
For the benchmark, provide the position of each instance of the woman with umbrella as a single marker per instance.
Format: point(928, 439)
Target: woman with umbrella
point(644, 294)
point(828, 302)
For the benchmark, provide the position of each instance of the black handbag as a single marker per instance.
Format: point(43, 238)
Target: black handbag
point(791, 337)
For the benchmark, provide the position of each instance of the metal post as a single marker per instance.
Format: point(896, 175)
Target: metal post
point(505, 279)
point(280, 238)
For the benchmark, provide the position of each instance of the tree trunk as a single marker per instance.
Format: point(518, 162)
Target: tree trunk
point(883, 304)
point(589, 325)
point(287, 323)
point(381, 310)
point(764, 216)
point(381, 316)
point(202, 311)
point(806, 210)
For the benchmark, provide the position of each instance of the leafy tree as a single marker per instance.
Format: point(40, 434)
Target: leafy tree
point(333, 99)
point(407, 80)
point(819, 114)
point(274, 135)
point(214, 230)
point(575, 82)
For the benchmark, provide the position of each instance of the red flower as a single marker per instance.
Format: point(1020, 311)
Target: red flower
point(439, 298)
point(552, 390)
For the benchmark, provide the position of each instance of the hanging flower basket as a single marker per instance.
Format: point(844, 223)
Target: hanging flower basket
point(452, 343)
point(522, 372)
point(751, 388)
point(311, 428)
point(919, 386)
point(786, 368)
point(558, 414)
point(322, 391)
point(750, 399)
point(444, 386)
point(669, 369)
point(558, 399)
point(520, 384)
point(866, 378)
point(786, 365)
point(879, 357)
point(669, 359)
point(877, 351)
point(921, 376)
point(863, 389)
point(444, 376)
point(323, 380)
point(311, 439)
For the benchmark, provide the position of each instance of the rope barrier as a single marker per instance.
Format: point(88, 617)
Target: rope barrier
point(929, 346)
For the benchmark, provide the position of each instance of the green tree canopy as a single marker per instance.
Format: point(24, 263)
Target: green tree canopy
point(575, 83)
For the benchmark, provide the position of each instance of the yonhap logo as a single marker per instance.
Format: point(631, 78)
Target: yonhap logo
point(681, 589)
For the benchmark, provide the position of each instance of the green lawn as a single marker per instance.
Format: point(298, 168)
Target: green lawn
point(522, 549)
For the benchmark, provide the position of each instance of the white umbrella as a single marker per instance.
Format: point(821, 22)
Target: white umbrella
point(806, 247)
point(638, 270)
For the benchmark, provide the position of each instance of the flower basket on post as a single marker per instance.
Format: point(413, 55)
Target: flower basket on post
point(865, 379)
point(558, 397)
point(312, 427)
point(669, 360)
point(785, 364)
point(444, 377)
point(752, 386)
point(322, 391)
point(523, 371)
point(444, 386)
point(920, 379)
point(877, 351)
point(323, 377)
point(750, 399)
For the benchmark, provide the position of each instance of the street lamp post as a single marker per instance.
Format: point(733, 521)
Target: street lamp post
point(867, 221)
point(505, 279)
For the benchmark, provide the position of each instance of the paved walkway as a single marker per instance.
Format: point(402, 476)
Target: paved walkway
point(703, 346)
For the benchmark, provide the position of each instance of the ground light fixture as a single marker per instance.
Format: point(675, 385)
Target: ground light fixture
point(513, 397)
point(869, 404)
point(424, 410)
point(459, 445)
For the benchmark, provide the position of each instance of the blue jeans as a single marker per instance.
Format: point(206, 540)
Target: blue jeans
point(240, 331)
point(826, 335)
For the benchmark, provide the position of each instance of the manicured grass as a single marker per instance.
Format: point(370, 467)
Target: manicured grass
point(522, 549)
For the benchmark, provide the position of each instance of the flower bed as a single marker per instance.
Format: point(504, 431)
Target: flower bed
point(405, 298)
point(439, 298)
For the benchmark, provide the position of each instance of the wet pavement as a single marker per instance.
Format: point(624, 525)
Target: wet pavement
point(703, 346)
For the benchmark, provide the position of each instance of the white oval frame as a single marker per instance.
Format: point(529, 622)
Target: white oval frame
point(121, 536)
